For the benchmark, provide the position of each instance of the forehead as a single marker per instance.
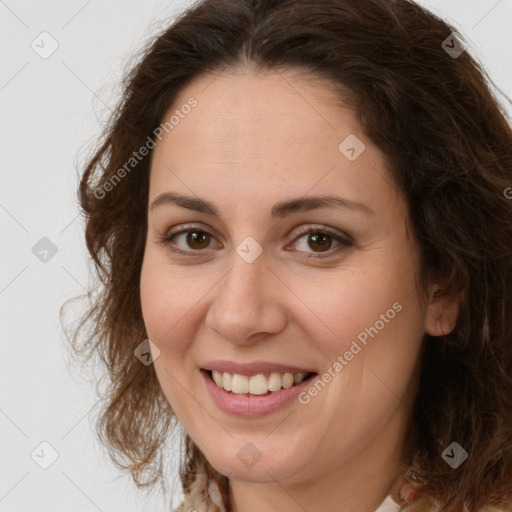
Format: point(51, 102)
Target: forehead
point(278, 131)
point(280, 107)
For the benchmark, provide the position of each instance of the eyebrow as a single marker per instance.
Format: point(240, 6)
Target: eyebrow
point(279, 210)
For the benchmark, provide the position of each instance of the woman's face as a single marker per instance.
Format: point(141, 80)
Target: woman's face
point(241, 282)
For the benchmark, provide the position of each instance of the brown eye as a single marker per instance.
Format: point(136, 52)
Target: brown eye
point(197, 239)
point(319, 242)
point(313, 243)
point(188, 241)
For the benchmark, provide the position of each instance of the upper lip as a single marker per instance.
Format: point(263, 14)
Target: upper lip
point(253, 368)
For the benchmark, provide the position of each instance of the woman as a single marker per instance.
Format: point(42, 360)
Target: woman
point(300, 221)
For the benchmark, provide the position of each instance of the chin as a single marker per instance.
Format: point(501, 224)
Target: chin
point(249, 464)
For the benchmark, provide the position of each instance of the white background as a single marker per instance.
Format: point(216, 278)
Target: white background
point(49, 113)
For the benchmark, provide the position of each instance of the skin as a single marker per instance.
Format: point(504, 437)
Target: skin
point(254, 140)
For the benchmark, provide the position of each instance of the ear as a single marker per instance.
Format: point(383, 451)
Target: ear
point(442, 311)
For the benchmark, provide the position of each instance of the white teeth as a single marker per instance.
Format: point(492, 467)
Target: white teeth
point(240, 384)
point(225, 381)
point(287, 380)
point(299, 377)
point(217, 377)
point(256, 384)
point(274, 382)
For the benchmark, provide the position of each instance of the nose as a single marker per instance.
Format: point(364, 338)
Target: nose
point(247, 305)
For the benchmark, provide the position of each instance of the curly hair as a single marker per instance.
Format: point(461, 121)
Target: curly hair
point(448, 143)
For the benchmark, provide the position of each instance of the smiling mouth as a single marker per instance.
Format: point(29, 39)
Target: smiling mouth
point(256, 385)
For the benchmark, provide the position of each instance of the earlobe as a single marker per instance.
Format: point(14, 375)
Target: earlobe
point(442, 312)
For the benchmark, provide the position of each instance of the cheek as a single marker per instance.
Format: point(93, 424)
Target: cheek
point(375, 325)
point(154, 304)
point(361, 304)
point(164, 302)
point(173, 301)
point(168, 312)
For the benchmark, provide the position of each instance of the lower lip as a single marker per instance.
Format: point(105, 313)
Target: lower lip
point(252, 406)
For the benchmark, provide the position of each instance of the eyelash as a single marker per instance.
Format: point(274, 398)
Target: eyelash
point(167, 239)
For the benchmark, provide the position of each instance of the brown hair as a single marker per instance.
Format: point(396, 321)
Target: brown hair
point(448, 143)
